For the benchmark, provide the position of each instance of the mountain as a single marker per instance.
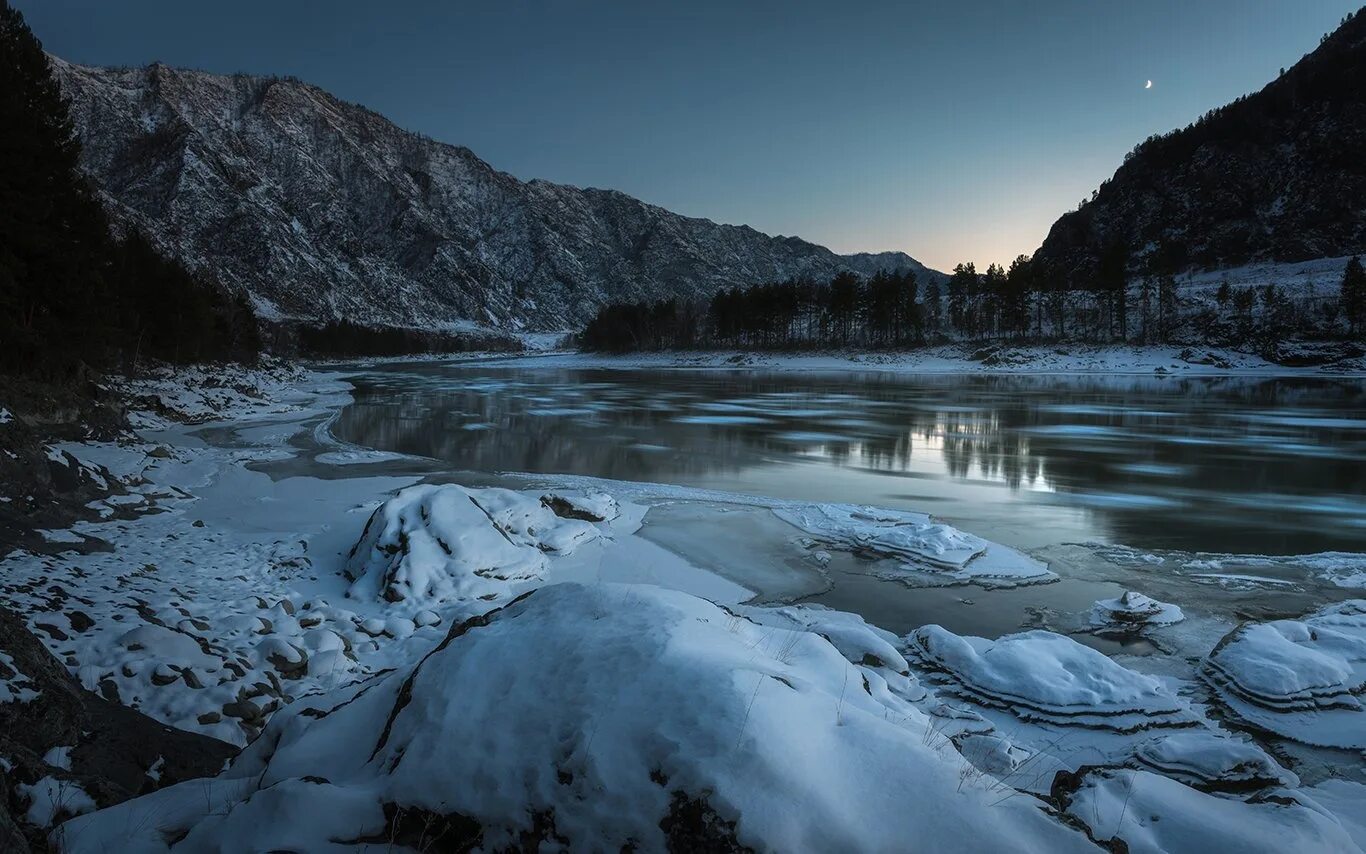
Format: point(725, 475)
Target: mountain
point(325, 210)
point(1276, 176)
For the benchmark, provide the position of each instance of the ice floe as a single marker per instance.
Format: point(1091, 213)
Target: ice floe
point(1301, 679)
point(1154, 814)
point(925, 550)
point(1214, 761)
point(1047, 677)
point(1134, 610)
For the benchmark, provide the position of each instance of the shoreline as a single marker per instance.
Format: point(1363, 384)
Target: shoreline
point(1124, 360)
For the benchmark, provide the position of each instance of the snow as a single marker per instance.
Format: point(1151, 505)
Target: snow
point(1133, 609)
point(50, 798)
point(1301, 679)
point(917, 542)
point(603, 661)
point(601, 706)
point(1154, 814)
point(435, 543)
point(15, 687)
point(1201, 758)
point(59, 757)
point(1043, 676)
point(950, 358)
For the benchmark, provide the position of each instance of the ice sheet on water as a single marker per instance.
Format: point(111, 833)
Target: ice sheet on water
point(921, 546)
point(1301, 679)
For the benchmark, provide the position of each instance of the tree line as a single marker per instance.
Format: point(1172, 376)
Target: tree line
point(72, 292)
point(343, 338)
point(1021, 303)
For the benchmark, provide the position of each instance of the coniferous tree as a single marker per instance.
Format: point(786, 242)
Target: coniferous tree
point(70, 293)
point(1353, 296)
point(53, 234)
point(962, 289)
point(934, 309)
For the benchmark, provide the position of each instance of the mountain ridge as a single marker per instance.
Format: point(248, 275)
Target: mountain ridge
point(1274, 176)
point(325, 210)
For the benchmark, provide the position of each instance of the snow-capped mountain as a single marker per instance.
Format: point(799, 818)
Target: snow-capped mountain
point(322, 209)
point(1276, 176)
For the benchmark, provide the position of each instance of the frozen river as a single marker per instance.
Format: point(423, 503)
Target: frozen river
point(1232, 464)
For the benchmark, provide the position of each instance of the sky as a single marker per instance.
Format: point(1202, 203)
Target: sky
point(950, 130)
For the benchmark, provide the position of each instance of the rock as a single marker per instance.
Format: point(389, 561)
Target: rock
point(588, 507)
point(337, 229)
point(111, 745)
point(431, 543)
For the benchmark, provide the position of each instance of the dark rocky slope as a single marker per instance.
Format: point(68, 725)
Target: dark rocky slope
point(112, 748)
point(1279, 175)
point(324, 210)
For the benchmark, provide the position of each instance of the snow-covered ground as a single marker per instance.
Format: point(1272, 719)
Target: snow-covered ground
point(1172, 360)
point(414, 664)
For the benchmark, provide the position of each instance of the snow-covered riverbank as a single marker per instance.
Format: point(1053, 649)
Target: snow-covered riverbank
point(468, 663)
point(1169, 360)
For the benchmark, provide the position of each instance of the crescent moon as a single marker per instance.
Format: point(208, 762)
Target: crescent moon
point(1148, 85)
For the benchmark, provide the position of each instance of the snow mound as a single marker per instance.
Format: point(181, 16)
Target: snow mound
point(1212, 761)
point(1154, 814)
point(597, 717)
point(1047, 677)
point(1301, 679)
point(1133, 610)
point(936, 552)
point(435, 543)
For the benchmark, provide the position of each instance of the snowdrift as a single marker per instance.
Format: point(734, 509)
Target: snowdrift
point(600, 717)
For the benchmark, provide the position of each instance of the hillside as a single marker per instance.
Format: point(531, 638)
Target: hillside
point(1276, 176)
point(324, 210)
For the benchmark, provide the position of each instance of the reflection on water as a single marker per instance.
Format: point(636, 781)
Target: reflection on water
point(1214, 464)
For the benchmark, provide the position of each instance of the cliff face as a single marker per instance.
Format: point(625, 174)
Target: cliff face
point(1279, 175)
point(322, 209)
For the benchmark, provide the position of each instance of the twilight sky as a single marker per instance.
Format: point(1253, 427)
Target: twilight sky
point(950, 130)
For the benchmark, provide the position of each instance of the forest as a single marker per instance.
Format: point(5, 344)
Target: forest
point(73, 294)
point(1022, 303)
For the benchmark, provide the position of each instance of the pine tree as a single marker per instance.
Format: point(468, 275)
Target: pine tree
point(53, 234)
point(934, 309)
point(69, 292)
point(1353, 296)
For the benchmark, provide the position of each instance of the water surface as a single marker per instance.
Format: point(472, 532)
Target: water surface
point(1224, 464)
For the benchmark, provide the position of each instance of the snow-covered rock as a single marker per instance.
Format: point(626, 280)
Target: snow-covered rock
point(434, 543)
point(1210, 760)
point(1047, 677)
point(597, 717)
point(589, 505)
point(1301, 679)
point(926, 550)
point(1155, 815)
point(1134, 610)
